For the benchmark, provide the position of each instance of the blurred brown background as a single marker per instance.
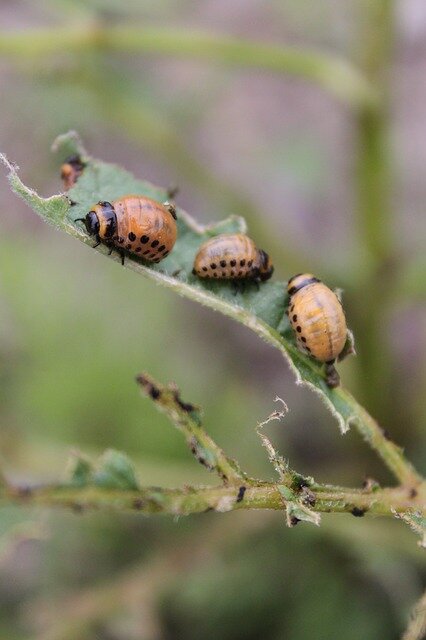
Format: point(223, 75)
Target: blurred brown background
point(286, 154)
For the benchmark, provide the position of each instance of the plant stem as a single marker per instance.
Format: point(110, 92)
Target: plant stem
point(187, 418)
point(374, 211)
point(331, 72)
point(379, 440)
point(190, 500)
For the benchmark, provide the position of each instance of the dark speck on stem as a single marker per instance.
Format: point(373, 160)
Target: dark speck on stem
point(241, 492)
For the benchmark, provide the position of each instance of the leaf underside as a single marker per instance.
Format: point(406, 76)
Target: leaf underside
point(261, 309)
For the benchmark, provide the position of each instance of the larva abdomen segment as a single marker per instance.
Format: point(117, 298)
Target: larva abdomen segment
point(227, 257)
point(144, 227)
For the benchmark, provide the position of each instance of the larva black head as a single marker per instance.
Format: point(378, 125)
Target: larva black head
point(266, 268)
point(101, 220)
point(171, 209)
point(299, 281)
point(91, 222)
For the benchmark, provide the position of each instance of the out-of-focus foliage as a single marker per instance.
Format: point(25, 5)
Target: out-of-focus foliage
point(75, 329)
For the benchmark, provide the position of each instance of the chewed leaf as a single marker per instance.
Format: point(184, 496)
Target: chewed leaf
point(115, 471)
point(80, 470)
point(261, 309)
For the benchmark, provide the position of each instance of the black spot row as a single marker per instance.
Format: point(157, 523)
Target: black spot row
point(233, 263)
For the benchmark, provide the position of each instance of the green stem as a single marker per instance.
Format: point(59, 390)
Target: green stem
point(191, 500)
point(374, 188)
point(380, 441)
point(187, 418)
point(331, 72)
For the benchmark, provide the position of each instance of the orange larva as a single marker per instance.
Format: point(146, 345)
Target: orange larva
point(232, 257)
point(71, 170)
point(318, 320)
point(134, 224)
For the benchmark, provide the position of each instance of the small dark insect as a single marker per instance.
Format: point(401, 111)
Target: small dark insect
point(71, 170)
point(241, 492)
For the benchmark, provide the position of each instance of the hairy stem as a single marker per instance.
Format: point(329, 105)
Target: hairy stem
point(379, 440)
point(187, 418)
point(190, 500)
point(331, 72)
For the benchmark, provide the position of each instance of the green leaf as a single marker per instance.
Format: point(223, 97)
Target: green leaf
point(261, 309)
point(115, 471)
point(81, 471)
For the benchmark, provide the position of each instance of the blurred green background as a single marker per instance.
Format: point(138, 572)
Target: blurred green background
point(75, 328)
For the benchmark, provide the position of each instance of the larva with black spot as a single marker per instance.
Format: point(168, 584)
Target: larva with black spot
point(318, 320)
point(134, 224)
point(232, 257)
